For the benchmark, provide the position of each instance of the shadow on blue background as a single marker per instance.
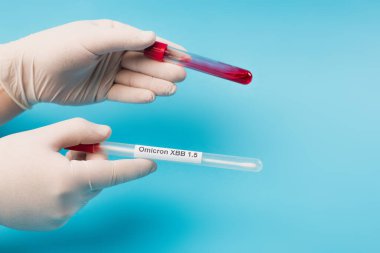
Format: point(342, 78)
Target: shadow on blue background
point(311, 115)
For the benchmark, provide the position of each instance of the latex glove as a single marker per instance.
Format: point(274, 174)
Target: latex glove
point(85, 62)
point(40, 189)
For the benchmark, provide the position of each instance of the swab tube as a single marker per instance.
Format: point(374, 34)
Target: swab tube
point(162, 52)
point(171, 154)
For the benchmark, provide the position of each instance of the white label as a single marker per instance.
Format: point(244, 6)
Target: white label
point(167, 154)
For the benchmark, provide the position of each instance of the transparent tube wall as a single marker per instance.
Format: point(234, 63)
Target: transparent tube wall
point(231, 162)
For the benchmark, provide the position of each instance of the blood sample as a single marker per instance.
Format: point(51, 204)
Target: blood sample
point(163, 52)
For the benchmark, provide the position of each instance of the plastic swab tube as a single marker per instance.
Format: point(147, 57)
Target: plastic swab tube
point(162, 52)
point(171, 154)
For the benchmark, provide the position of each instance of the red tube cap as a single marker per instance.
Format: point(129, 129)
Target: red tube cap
point(156, 51)
point(88, 148)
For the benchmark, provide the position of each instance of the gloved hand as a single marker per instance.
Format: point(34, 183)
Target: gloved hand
point(40, 189)
point(85, 62)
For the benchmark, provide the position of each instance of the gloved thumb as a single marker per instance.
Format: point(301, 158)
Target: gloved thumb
point(99, 174)
point(111, 36)
point(73, 132)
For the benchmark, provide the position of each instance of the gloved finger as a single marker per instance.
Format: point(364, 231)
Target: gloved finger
point(83, 156)
point(97, 175)
point(138, 62)
point(125, 94)
point(134, 79)
point(116, 24)
point(172, 44)
point(76, 155)
point(109, 36)
point(73, 132)
point(96, 156)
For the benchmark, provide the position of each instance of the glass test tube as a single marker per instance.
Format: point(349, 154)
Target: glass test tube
point(174, 155)
point(162, 52)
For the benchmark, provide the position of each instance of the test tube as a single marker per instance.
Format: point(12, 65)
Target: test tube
point(171, 154)
point(163, 52)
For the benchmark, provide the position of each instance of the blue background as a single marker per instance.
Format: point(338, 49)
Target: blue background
point(311, 114)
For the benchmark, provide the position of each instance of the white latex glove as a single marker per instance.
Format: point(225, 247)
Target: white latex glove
point(85, 62)
point(40, 189)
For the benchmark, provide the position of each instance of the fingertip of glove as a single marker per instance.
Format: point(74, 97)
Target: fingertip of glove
point(153, 167)
point(148, 166)
point(147, 37)
point(104, 130)
point(147, 97)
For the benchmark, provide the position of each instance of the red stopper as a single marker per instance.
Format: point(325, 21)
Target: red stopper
point(88, 148)
point(156, 51)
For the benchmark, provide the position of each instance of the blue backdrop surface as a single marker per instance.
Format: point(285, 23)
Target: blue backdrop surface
point(312, 115)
